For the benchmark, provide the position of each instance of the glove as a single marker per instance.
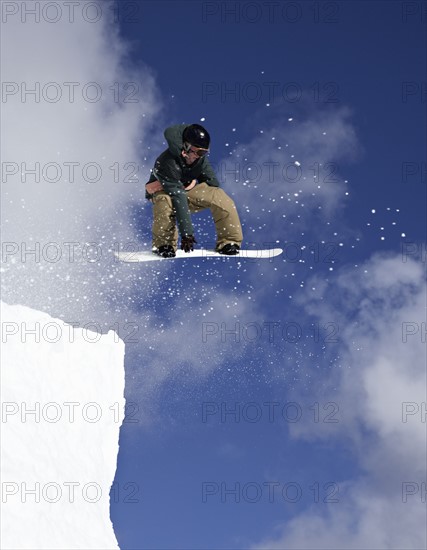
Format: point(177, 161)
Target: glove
point(187, 243)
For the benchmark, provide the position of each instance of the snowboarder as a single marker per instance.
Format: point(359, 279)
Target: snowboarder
point(183, 182)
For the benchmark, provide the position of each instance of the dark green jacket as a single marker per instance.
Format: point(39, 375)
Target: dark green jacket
point(174, 174)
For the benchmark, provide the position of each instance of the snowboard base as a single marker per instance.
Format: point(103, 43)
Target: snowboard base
point(149, 256)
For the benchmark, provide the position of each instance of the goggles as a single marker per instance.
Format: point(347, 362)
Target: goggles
point(199, 151)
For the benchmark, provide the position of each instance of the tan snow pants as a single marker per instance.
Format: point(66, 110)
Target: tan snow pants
point(225, 216)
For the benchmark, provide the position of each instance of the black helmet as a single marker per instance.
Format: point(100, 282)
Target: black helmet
point(197, 136)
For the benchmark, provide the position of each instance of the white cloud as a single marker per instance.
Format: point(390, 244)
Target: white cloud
point(60, 132)
point(71, 130)
point(381, 368)
point(364, 521)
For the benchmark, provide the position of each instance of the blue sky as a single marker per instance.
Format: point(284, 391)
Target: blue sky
point(349, 68)
point(316, 351)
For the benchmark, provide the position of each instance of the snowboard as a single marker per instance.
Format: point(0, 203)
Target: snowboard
point(149, 256)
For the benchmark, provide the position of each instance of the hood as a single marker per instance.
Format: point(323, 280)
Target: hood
point(173, 136)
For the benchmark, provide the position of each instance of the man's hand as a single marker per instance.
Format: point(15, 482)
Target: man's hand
point(153, 187)
point(187, 243)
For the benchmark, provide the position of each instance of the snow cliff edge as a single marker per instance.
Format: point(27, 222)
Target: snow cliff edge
point(62, 393)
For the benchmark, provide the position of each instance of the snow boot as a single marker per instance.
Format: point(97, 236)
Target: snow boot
point(230, 249)
point(166, 251)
